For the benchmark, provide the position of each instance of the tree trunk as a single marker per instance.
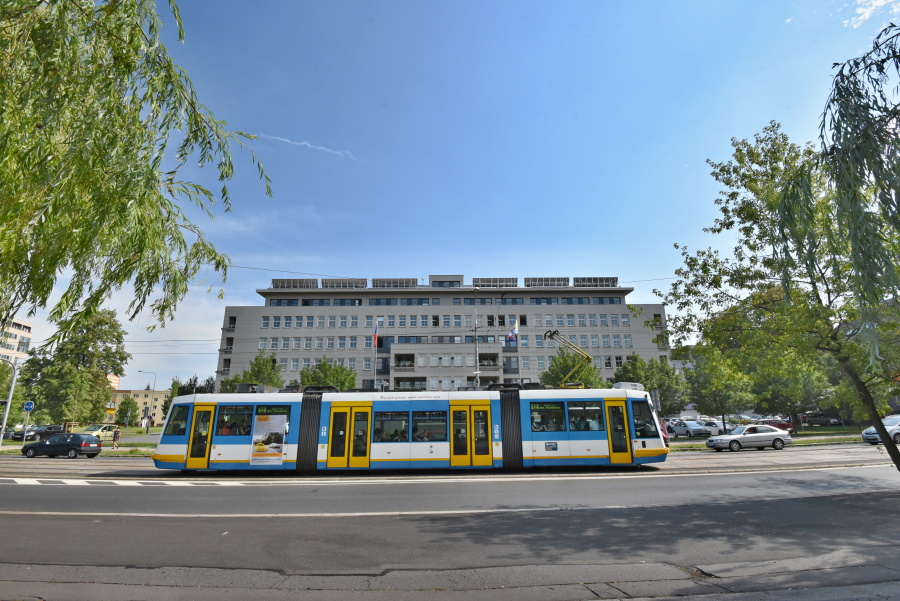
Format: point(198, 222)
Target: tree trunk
point(869, 403)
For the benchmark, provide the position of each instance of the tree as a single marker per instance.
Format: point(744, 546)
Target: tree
point(128, 413)
point(859, 161)
point(327, 373)
point(263, 370)
point(91, 102)
point(741, 300)
point(659, 376)
point(715, 384)
point(69, 379)
point(563, 363)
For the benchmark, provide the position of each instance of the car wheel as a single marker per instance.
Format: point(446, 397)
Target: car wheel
point(72, 454)
point(30, 453)
point(92, 455)
point(777, 444)
point(719, 450)
point(721, 433)
point(734, 446)
point(897, 438)
point(874, 444)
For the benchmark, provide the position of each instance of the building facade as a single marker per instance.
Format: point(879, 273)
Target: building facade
point(399, 334)
point(16, 340)
point(149, 402)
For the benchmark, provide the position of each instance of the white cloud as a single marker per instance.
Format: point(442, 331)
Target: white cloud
point(305, 144)
point(865, 9)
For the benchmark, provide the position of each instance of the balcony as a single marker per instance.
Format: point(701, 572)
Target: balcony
point(510, 348)
point(383, 371)
point(226, 349)
point(229, 327)
point(510, 370)
point(224, 371)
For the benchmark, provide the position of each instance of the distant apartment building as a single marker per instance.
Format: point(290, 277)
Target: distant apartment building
point(399, 334)
point(15, 341)
point(149, 402)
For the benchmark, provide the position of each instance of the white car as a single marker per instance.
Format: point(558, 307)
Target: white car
point(892, 423)
point(754, 436)
point(717, 427)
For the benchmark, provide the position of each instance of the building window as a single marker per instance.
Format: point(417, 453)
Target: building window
point(320, 321)
point(401, 321)
point(307, 363)
point(607, 361)
point(332, 321)
point(605, 339)
point(287, 321)
point(320, 342)
point(526, 362)
point(592, 320)
point(354, 321)
point(581, 321)
point(330, 343)
point(262, 343)
point(295, 364)
point(540, 362)
point(626, 320)
point(265, 322)
point(617, 340)
point(342, 342)
point(367, 363)
point(285, 343)
point(627, 340)
point(613, 319)
point(351, 363)
point(368, 342)
point(307, 343)
point(310, 321)
point(414, 321)
point(583, 340)
point(539, 340)
point(595, 340)
point(559, 320)
point(619, 362)
point(353, 342)
point(523, 341)
point(299, 321)
point(603, 320)
point(457, 321)
point(297, 343)
point(570, 320)
point(276, 322)
point(369, 322)
point(273, 344)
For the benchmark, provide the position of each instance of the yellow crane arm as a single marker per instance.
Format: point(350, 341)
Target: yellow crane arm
point(585, 358)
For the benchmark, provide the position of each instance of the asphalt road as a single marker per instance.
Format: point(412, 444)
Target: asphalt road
point(731, 525)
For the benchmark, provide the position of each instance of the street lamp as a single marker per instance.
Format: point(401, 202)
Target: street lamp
point(477, 363)
point(152, 398)
point(12, 384)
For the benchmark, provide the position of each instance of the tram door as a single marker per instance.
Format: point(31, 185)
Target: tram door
point(348, 436)
point(471, 436)
point(198, 445)
point(619, 436)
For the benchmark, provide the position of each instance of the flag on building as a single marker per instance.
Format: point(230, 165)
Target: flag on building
point(514, 333)
point(375, 337)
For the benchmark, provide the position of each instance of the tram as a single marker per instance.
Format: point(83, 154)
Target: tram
point(313, 432)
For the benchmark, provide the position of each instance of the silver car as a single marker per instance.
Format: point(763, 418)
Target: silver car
point(689, 429)
point(891, 422)
point(754, 436)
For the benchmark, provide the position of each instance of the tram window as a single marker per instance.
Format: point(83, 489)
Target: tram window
point(644, 424)
point(234, 420)
point(585, 415)
point(429, 425)
point(390, 426)
point(548, 417)
point(177, 424)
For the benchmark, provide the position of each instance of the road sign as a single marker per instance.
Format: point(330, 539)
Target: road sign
point(111, 411)
point(29, 406)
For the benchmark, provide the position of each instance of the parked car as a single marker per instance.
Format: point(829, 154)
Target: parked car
point(689, 429)
point(717, 427)
point(754, 436)
point(892, 423)
point(70, 445)
point(777, 423)
point(101, 431)
point(820, 419)
point(37, 432)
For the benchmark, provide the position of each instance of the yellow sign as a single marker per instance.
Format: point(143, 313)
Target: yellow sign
point(111, 411)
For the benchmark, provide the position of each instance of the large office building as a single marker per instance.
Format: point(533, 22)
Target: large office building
point(15, 341)
point(403, 334)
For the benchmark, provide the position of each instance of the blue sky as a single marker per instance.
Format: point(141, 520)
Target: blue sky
point(490, 139)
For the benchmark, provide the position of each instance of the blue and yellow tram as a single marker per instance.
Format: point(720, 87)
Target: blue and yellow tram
point(504, 429)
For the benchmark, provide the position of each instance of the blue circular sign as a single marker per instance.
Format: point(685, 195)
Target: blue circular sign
point(29, 406)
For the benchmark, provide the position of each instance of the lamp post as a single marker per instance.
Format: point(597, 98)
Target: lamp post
point(477, 362)
point(152, 398)
point(12, 384)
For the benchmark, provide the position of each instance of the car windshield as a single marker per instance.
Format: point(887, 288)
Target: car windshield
point(92, 428)
point(739, 430)
point(892, 420)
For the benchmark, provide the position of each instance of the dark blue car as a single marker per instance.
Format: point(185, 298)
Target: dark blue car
point(70, 445)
